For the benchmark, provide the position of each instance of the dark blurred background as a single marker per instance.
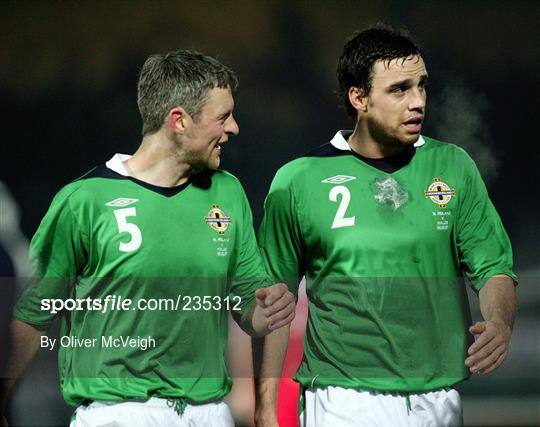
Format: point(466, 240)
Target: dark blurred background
point(68, 73)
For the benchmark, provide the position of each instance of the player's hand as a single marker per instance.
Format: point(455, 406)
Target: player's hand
point(275, 308)
point(3, 421)
point(490, 347)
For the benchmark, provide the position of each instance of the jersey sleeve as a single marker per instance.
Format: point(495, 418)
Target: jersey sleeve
point(249, 273)
point(280, 236)
point(483, 245)
point(57, 253)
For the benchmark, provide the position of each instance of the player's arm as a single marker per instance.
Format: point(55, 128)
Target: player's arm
point(281, 243)
point(498, 306)
point(272, 308)
point(25, 342)
point(264, 306)
point(268, 357)
point(486, 257)
point(57, 253)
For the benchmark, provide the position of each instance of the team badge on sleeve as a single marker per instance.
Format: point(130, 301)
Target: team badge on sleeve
point(217, 220)
point(439, 193)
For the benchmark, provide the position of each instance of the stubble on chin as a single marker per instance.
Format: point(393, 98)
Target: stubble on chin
point(389, 137)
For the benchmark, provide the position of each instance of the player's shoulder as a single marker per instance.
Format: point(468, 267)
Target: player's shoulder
point(96, 180)
point(66, 193)
point(301, 168)
point(447, 150)
point(219, 181)
point(290, 172)
point(221, 175)
point(67, 196)
point(75, 187)
point(84, 189)
point(430, 143)
point(216, 177)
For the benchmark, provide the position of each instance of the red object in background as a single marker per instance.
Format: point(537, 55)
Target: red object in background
point(287, 404)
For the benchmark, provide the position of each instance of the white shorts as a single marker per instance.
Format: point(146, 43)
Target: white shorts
point(342, 407)
point(151, 413)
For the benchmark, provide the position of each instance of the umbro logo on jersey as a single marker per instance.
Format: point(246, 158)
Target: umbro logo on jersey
point(338, 179)
point(121, 202)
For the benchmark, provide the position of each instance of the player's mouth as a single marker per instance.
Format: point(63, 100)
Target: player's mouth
point(414, 124)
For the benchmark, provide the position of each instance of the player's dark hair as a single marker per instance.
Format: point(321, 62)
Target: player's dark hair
point(355, 65)
point(180, 78)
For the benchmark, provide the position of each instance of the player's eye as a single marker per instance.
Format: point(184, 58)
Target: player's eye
point(398, 90)
point(222, 119)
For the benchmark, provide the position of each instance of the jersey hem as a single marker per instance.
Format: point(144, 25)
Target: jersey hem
point(358, 385)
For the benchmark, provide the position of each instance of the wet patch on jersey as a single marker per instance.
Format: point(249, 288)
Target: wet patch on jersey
point(390, 193)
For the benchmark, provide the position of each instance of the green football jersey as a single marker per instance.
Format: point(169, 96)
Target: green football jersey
point(384, 255)
point(144, 278)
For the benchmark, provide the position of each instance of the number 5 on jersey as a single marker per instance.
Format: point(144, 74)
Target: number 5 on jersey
point(127, 227)
point(340, 220)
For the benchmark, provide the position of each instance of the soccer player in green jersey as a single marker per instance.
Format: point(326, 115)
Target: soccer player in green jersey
point(384, 223)
point(144, 257)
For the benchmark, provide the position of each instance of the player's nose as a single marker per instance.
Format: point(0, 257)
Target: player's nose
point(418, 100)
point(231, 127)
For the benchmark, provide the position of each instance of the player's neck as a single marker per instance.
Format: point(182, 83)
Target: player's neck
point(363, 143)
point(157, 162)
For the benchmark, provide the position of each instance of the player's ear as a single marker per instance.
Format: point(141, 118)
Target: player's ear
point(358, 98)
point(177, 119)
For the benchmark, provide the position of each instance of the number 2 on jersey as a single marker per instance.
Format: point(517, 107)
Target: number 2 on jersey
point(340, 220)
point(124, 226)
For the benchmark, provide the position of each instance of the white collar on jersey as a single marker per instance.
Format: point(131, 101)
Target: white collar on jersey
point(116, 165)
point(341, 143)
